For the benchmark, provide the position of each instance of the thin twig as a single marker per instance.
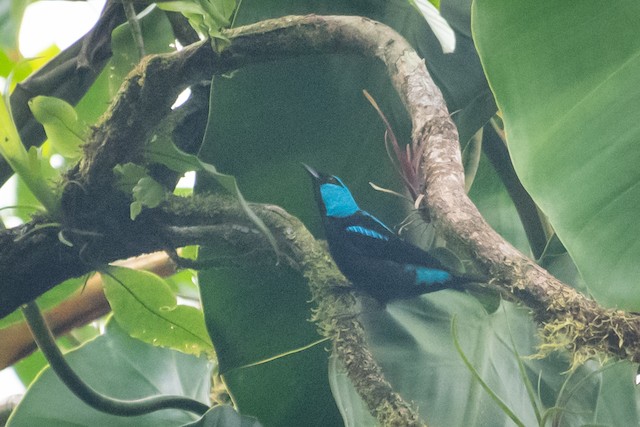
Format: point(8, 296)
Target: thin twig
point(134, 25)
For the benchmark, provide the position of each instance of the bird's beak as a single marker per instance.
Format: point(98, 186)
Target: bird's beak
point(314, 173)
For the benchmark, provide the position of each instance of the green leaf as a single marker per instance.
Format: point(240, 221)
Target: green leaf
point(207, 17)
point(614, 406)
point(145, 307)
point(257, 313)
point(149, 193)
point(412, 341)
point(440, 27)
point(121, 367)
point(224, 416)
point(146, 191)
point(278, 299)
point(501, 404)
point(6, 64)
point(30, 367)
point(565, 78)
point(183, 283)
point(287, 391)
point(128, 175)
point(16, 69)
point(157, 35)
point(65, 131)
point(27, 165)
point(354, 411)
point(163, 151)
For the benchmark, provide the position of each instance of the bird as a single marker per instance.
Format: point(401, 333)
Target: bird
point(371, 255)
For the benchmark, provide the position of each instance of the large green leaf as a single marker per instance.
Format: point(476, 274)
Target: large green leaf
point(224, 416)
point(307, 109)
point(259, 313)
point(145, 307)
point(412, 341)
point(354, 411)
point(565, 77)
point(290, 390)
point(30, 367)
point(121, 367)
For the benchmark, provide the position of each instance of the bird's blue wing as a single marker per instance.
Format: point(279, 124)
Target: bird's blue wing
point(370, 237)
point(366, 234)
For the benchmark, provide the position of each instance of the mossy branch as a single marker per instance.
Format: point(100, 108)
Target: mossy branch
point(336, 308)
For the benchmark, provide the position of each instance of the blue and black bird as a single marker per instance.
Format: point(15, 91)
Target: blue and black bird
point(369, 253)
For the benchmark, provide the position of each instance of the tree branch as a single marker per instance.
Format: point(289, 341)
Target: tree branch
point(566, 315)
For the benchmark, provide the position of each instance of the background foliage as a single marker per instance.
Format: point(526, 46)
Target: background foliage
point(566, 93)
point(564, 80)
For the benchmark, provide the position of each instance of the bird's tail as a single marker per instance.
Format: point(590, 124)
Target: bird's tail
point(479, 287)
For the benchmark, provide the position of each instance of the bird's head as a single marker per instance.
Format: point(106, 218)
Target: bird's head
point(334, 198)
